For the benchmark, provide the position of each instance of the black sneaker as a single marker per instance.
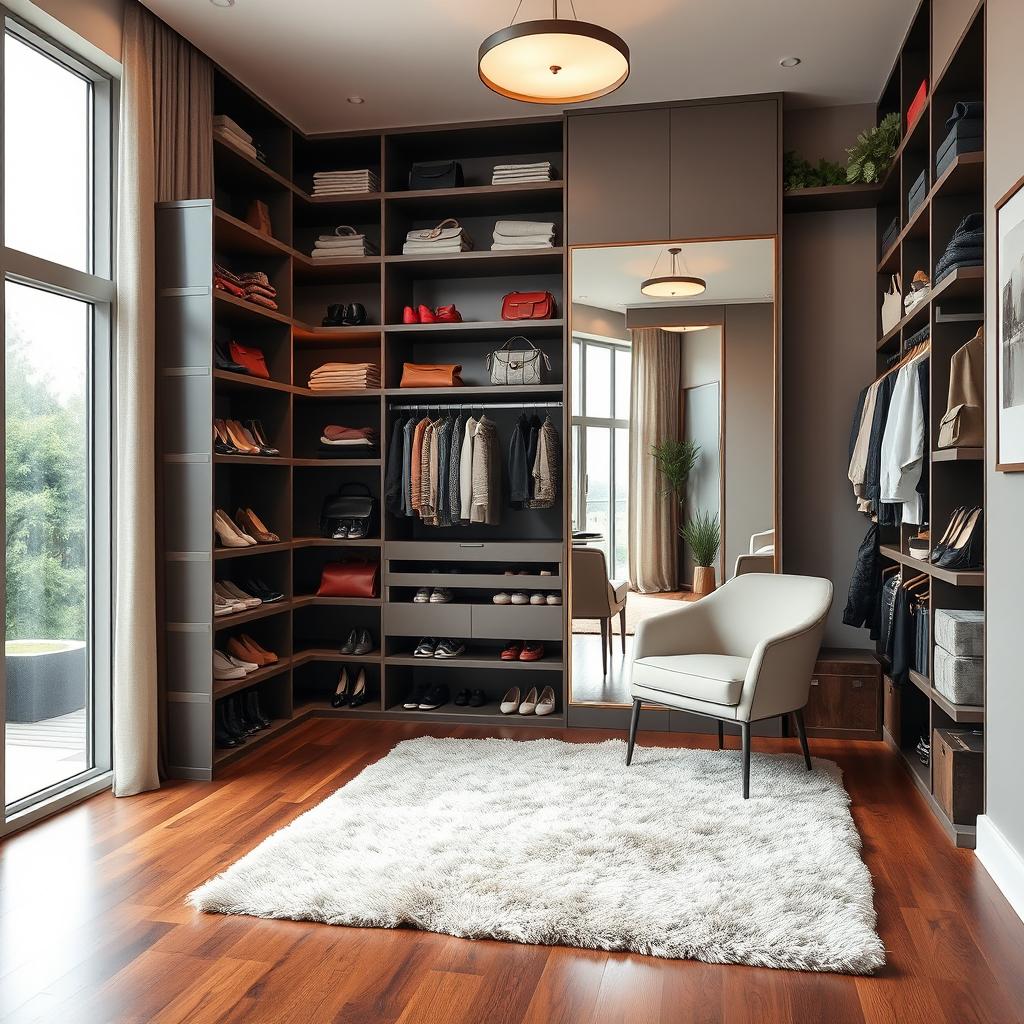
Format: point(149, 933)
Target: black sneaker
point(425, 648)
point(419, 694)
point(260, 589)
point(449, 649)
point(358, 528)
point(365, 643)
point(477, 699)
point(462, 698)
point(349, 646)
point(437, 697)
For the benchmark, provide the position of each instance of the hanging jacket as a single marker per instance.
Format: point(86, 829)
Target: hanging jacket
point(547, 467)
point(466, 470)
point(407, 435)
point(864, 582)
point(393, 499)
point(518, 467)
point(455, 470)
point(485, 506)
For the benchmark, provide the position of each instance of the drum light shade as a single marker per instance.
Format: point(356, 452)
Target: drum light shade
point(553, 61)
point(674, 285)
point(686, 328)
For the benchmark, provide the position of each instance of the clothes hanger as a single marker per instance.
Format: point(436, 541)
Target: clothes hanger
point(908, 357)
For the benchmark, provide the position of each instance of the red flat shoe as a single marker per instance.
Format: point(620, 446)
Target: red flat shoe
point(426, 315)
point(511, 651)
point(410, 316)
point(448, 315)
point(532, 651)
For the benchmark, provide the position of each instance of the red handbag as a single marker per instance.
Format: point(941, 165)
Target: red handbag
point(355, 578)
point(251, 358)
point(528, 306)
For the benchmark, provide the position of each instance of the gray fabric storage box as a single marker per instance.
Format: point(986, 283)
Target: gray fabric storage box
point(958, 679)
point(960, 632)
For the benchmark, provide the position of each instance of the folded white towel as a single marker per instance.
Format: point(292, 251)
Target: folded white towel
point(333, 254)
point(539, 165)
point(326, 241)
point(223, 121)
point(235, 140)
point(515, 228)
point(363, 172)
point(521, 245)
point(518, 179)
point(442, 251)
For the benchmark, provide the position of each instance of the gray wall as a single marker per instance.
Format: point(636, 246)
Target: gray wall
point(593, 320)
point(828, 262)
point(1005, 491)
point(97, 23)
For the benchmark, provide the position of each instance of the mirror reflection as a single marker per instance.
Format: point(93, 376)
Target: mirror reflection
point(673, 446)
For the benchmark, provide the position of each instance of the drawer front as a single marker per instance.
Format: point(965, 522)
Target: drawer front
point(844, 706)
point(517, 622)
point(474, 551)
point(408, 619)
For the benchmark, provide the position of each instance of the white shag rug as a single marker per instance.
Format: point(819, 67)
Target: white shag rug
point(544, 841)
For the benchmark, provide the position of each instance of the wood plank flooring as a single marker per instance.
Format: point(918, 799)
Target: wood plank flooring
point(93, 927)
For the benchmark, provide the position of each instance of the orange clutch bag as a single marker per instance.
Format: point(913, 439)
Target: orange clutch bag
point(431, 375)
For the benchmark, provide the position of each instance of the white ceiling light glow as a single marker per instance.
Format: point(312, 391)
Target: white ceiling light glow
point(790, 62)
point(674, 285)
point(557, 60)
point(686, 328)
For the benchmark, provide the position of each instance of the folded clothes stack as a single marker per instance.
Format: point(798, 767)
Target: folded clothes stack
point(253, 286)
point(965, 249)
point(915, 197)
point(348, 437)
point(449, 236)
point(965, 130)
point(345, 241)
point(228, 130)
point(890, 233)
point(345, 377)
point(510, 174)
point(343, 183)
point(523, 234)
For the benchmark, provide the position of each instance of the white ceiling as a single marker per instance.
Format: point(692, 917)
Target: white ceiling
point(414, 61)
point(737, 271)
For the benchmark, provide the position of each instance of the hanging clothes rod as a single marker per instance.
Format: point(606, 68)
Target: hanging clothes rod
point(511, 406)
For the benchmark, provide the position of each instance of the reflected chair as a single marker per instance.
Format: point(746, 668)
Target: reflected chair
point(594, 596)
point(742, 654)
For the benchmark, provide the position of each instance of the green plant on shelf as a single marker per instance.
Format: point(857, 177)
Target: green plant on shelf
point(873, 151)
point(800, 173)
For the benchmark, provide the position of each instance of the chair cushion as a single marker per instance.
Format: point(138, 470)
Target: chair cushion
point(716, 678)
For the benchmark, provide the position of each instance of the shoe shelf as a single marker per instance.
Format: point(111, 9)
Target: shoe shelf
point(546, 664)
point(341, 542)
point(969, 578)
point(264, 611)
point(499, 328)
point(451, 714)
point(474, 581)
point(220, 554)
point(226, 687)
point(307, 654)
point(223, 757)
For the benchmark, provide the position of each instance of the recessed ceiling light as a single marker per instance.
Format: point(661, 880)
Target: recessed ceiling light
point(790, 62)
point(223, 3)
point(355, 99)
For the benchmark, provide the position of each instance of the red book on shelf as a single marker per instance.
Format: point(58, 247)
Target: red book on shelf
point(917, 104)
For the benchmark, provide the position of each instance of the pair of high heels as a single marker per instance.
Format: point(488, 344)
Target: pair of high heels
point(244, 531)
point(962, 545)
point(233, 437)
point(349, 692)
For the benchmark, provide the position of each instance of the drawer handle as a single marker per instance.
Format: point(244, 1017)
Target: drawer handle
point(858, 683)
point(471, 545)
point(814, 682)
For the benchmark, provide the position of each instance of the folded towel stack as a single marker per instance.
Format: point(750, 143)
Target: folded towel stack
point(349, 437)
point(449, 236)
point(344, 183)
point(253, 286)
point(345, 377)
point(228, 130)
point(344, 242)
point(523, 234)
point(510, 174)
point(965, 130)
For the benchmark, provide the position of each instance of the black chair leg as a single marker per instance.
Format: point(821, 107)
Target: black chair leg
point(634, 719)
point(605, 626)
point(622, 627)
point(721, 734)
point(745, 742)
point(802, 732)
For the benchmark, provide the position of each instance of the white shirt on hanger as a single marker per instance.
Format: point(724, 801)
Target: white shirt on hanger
point(902, 453)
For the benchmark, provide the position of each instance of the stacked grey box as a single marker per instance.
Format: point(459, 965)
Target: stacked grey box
point(915, 197)
point(959, 655)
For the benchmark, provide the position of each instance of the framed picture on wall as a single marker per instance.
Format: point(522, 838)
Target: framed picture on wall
point(1010, 318)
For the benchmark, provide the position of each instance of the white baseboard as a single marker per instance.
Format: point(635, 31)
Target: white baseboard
point(1002, 862)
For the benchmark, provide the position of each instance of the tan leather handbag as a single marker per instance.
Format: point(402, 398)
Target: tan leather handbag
point(963, 425)
point(431, 375)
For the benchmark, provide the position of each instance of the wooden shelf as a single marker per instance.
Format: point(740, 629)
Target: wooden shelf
point(224, 756)
point(305, 600)
point(240, 311)
point(309, 654)
point(347, 199)
point(225, 687)
point(487, 715)
point(220, 554)
point(264, 611)
point(329, 542)
point(965, 283)
point(494, 392)
point(251, 460)
point(965, 714)
point(964, 176)
point(349, 269)
point(486, 329)
point(524, 197)
point(918, 313)
point(235, 236)
point(231, 381)
point(973, 578)
point(481, 263)
point(242, 169)
point(468, 661)
point(336, 463)
point(921, 682)
point(336, 335)
point(831, 197)
point(351, 394)
point(958, 455)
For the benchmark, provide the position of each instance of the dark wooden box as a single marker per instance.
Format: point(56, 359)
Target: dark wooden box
point(846, 696)
point(893, 716)
point(958, 759)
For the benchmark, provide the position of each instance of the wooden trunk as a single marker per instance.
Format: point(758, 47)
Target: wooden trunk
point(958, 770)
point(845, 698)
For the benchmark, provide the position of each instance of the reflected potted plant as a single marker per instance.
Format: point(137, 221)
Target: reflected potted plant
point(703, 536)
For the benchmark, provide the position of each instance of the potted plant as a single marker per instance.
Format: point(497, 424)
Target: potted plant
point(703, 536)
point(675, 461)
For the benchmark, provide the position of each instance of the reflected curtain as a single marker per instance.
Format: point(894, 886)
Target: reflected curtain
point(654, 416)
point(165, 151)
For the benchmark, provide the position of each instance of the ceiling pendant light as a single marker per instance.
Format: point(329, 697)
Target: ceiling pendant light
point(675, 285)
point(556, 60)
point(686, 328)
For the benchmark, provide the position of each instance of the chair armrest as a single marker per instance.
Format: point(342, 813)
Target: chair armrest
point(779, 675)
point(680, 631)
point(760, 540)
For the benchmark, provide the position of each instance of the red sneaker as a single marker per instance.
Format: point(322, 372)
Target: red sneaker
point(532, 651)
point(409, 316)
point(426, 315)
point(448, 315)
point(511, 651)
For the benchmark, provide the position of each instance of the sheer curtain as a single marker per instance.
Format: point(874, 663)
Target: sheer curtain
point(654, 416)
point(165, 147)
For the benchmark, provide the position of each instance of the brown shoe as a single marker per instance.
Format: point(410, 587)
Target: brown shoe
point(240, 438)
point(270, 656)
point(243, 651)
point(251, 524)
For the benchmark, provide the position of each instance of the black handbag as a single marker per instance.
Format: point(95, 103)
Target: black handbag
point(436, 174)
point(340, 509)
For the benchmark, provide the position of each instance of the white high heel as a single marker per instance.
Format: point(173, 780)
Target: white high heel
point(546, 704)
point(510, 702)
point(529, 705)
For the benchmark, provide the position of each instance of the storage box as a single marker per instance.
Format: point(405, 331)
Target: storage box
point(949, 153)
point(958, 679)
point(845, 700)
point(957, 764)
point(960, 631)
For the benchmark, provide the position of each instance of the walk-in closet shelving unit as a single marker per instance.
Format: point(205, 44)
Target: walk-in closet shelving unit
point(287, 491)
point(952, 314)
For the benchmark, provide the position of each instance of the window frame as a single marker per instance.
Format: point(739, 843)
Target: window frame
point(95, 287)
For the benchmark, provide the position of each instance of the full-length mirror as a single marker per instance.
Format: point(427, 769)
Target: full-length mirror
point(673, 437)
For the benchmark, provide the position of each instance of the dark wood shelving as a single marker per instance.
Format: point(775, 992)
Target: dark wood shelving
point(224, 756)
point(495, 392)
point(964, 176)
point(304, 600)
point(264, 611)
point(335, 335)
point(238, 310)
point(482, 263)
point(965, 283)
point(347, 199)
point(225, 687)
point(337, 269)
point(336, 463)
point(971, 578)
point(220, 554)
point(235, 235)
point(308, 654)
point(231, 381)
point(831, 197)
point(353, 394)
point(525, 197)
point(469, 661)
point(487, 715)
point(469, 328)
point(329, 542)
point(241, 169)
point(958, 455)
point(251, 460)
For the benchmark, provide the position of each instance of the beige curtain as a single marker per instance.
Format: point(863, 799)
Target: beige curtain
point(164, 152)
point(654, 416)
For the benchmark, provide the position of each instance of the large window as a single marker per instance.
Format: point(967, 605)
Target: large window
point(57, 310)
point(600, 445)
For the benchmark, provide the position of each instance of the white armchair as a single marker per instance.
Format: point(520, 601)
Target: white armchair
point(742, 654)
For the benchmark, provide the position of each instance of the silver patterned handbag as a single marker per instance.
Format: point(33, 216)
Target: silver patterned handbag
point(518, 366)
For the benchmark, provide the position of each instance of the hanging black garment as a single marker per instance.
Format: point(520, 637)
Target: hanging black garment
point(393, 478)
point(864, 583)
point(873, 472)
point(531, 449)
point(886, 610)
point(902, 633)
point(518, 466)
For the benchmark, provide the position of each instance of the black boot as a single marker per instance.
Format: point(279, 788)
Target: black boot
point(254, 711)
point(233, 720)
point(222, 735)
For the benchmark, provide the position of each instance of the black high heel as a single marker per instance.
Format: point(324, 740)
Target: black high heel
point(956, 520)
point(358, 698)
point(341, 692)
point(965, 552)
point(255, 428)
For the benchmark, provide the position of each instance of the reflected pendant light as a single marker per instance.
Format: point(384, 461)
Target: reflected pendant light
point(675, 285)
point(685, 328)
point(557, 60)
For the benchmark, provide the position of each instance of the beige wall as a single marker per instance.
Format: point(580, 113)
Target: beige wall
point(949, 19)
point(593, 320)
point(96, 22)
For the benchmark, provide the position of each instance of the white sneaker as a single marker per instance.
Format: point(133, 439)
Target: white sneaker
point(245, 666)
point(520, 598)
point(529, 705)
point(554, 599)
point(546, 704)
point(510, 702)
point(546, 572)
point(422, 596)
point(502, 598)
point(223, 669)
point(441, 595)
point(537, 598)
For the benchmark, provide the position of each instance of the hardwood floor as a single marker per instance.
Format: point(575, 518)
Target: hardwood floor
point(93, 927)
